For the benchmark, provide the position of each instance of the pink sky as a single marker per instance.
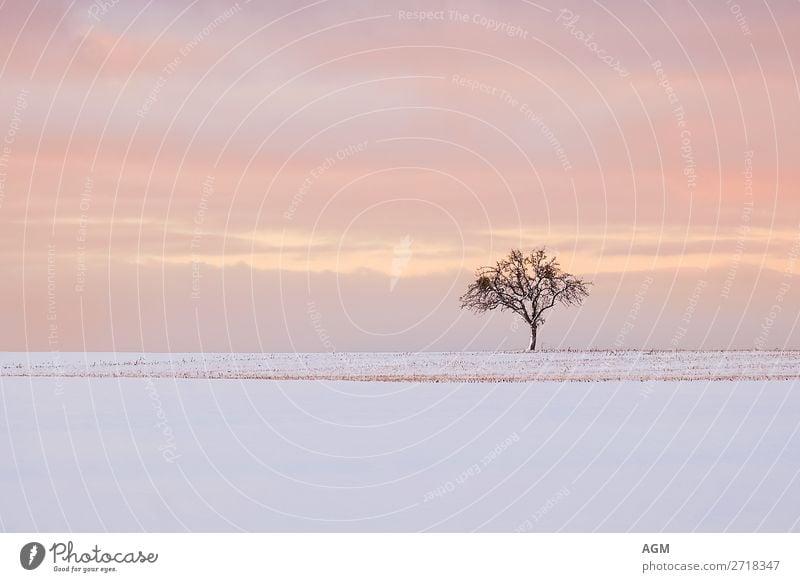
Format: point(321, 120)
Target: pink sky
point(326, 175)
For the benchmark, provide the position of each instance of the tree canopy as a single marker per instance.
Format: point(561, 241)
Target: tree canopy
point(528, 285)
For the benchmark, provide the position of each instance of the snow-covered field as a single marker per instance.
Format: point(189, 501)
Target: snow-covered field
point(578, 366)
point(677, 441)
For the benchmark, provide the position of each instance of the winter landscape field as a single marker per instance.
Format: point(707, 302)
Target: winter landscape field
point(487, 266)
point(508, 441)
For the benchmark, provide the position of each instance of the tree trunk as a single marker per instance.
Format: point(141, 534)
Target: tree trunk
point(532, 347)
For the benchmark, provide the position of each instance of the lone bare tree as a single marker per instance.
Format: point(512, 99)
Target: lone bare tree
point(528, 285)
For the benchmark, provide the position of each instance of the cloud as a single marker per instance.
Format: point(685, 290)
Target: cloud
point(475, 140)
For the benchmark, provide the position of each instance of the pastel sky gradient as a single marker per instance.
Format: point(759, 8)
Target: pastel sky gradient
point(203, 175)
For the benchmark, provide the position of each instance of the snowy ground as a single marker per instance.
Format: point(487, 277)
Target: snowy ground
point(87, 452)
point(579, 366)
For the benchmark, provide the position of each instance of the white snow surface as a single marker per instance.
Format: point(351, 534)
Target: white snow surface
point(577, 366)
point(101, 442)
